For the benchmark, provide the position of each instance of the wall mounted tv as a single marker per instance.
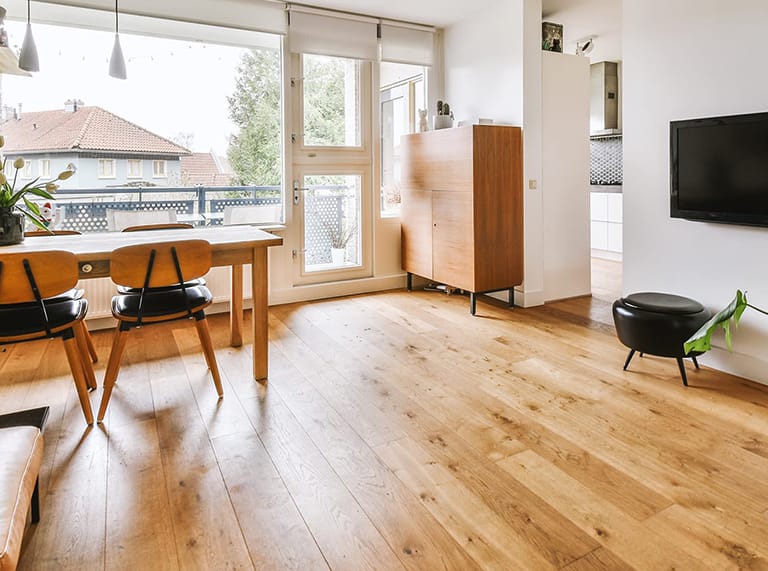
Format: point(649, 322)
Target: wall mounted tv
point(719, 169)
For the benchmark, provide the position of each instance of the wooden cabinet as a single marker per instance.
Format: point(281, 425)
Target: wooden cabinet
point(462, 207)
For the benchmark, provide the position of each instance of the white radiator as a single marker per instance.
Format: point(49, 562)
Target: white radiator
point(100, 291)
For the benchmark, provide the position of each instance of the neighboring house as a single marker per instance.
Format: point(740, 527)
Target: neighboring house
point(107, 150)
point(206, 169)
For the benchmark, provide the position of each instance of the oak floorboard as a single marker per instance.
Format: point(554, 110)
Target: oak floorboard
point(397, 422)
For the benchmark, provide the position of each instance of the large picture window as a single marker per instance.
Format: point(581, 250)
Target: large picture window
point(197, 126)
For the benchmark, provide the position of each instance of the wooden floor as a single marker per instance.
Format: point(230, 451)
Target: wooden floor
point(397, 431)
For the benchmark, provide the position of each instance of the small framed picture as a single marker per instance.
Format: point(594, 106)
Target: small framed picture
point(552, 37)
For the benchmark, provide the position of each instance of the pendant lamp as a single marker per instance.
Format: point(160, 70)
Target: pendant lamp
point(117, 61)
point(28, 57)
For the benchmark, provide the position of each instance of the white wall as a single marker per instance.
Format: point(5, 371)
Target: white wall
point(692, 58)
point(565, 175)
point(492, 64)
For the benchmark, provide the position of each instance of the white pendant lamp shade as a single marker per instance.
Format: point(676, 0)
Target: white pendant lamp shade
point(117, 61)
point(28, 57)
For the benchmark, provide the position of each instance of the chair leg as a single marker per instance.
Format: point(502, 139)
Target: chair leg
point(210, 356)
point(695, 362)
point(89, 343)
point(113, 366)
point(85, 358)
point(681, 366)
point(629, 358)
point(76, 365)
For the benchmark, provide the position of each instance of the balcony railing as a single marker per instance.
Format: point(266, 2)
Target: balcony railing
point(85, 210)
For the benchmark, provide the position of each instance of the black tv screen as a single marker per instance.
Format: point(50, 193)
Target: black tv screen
point(719, 169)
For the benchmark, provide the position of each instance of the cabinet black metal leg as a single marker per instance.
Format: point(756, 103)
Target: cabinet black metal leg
point(681, 366)
point(511, 297)
point(409, 281)
point(472, 302)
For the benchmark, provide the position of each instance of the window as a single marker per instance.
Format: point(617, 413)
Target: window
point(134, 168)
point(26, 172)
point(45, 168)
point(402, 99)
point(106, 168)
point(159, 169)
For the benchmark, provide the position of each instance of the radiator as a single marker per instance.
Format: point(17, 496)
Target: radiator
point(100, 291)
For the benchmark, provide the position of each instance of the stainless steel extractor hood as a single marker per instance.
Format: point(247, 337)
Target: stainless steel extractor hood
point(604, 99)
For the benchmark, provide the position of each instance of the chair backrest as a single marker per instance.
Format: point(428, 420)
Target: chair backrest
point(53, 272)
point(119, 219)
point(33, 233)
point(130, 265)
point(252, 214)
point(170, 226)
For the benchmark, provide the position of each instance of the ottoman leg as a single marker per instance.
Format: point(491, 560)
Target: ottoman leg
point(629, 358)
point(681, 366)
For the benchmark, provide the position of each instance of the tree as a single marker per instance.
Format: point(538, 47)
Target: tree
point(255, 107)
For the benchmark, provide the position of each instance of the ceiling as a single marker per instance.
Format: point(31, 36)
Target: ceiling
point(581, 19)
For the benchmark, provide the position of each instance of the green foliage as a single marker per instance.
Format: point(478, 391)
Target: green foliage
point(701, 341)
point(255, 107)
point(324, 101)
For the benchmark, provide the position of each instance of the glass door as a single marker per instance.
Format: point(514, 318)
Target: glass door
point(331, 167)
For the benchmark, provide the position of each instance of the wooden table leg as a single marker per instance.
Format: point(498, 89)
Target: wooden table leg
point(260, 317)
point(236, 307)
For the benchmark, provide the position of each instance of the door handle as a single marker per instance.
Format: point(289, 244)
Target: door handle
point(296, 191)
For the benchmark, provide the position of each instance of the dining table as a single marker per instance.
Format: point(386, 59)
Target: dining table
point(233, 246)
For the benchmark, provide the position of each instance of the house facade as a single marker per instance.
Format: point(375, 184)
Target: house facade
point(107, 150)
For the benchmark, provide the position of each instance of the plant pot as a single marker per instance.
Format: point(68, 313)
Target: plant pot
point(338, 255)
point(11, 227)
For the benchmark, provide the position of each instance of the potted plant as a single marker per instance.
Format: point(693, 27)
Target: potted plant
point(339, 235)
point(701, 341)
point(16, 203)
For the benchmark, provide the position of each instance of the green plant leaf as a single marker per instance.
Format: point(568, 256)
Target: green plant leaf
point(701, 341)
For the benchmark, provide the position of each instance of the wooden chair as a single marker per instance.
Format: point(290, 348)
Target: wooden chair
point(169, 226)
point(119, 219)
point(85, 342)
point(31, 308)
point(160, 273)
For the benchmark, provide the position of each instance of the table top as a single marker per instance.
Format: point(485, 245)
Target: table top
point(103, 243)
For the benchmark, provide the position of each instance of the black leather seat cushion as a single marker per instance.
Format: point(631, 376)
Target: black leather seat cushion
point(161, 301)
point(125, 290)
point(27, 318)
point(663, 303)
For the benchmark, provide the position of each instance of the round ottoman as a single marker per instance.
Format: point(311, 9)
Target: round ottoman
point(658, 324)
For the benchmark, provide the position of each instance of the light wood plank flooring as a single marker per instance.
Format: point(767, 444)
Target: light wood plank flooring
point(398, 432)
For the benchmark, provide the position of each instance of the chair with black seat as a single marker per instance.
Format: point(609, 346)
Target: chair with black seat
point(85, 342)
point(160, 274)
point(32, 308)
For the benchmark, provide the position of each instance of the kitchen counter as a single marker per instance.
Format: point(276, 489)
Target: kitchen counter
point(605, 188)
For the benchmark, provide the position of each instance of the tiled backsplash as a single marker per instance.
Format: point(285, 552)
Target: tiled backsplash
point(606, 160)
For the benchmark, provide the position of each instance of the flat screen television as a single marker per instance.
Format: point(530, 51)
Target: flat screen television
point(719, 169)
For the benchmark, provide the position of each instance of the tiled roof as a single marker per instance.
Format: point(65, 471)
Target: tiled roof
point(206, 169)
point(86, 129)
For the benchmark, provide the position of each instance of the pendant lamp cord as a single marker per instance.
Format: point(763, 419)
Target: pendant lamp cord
point(116, 31)
point(29, 3)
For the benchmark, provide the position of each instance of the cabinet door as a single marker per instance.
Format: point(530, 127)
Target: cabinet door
point(416, 221)
point(453, 236)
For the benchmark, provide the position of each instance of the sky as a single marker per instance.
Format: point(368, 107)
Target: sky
point(173, 86)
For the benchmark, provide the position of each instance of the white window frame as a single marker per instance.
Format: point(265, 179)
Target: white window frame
point(26, 172)
point(129, 171)
point(45, 168)
point(156, 172)
point(103, 171)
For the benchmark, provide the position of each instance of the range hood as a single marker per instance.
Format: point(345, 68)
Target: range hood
point(604, 99)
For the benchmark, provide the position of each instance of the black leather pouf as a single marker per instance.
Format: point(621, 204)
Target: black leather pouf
point(658, 324)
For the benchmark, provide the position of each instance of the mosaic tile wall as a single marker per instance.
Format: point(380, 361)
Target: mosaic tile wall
point(606, 160)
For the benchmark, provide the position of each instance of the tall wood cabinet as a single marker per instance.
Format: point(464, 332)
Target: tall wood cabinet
point(462, 207)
